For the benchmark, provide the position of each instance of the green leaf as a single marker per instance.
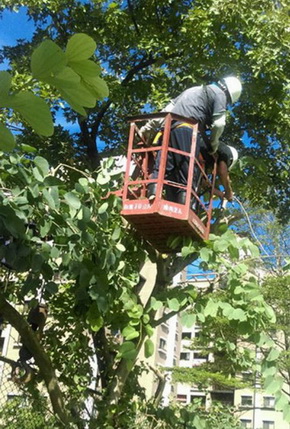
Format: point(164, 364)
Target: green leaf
point(28, 148)
point(173, 304)
point(51, 287)
point(188, 319)
point(148, 348)
point(44, 228)
point(130, 333)
point(47, 60)
point(273, 384)
point(7, 141)
point(37, 174)
point(238, 314)
point(5, 83)
point(85, 68)
point(273, 355)
point(186, 250)
point(103, 208)
point(128, 350)
point(80, 47)
point(94, 318)
point(96, 323)
point(34, 110)
point(205, 254)
point(42, 165)
point(227, 308)
point(48, 198)
point(66, 77)
point(78, 94)
point(155, 305)
point(211, 308)
point(220, 245)
point(269, 371)
point(116, 233)
point(97, 86)
point(281, 402)
point(149, 330)
point(103, 178)
point(286, 413)
point(270, 313)
point(120, 247)
point(199, 423)
point(72, 200)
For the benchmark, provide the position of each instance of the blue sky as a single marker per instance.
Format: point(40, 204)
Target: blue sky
point(13, 26)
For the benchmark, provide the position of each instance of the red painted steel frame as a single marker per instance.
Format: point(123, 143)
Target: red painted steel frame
point(158, 220)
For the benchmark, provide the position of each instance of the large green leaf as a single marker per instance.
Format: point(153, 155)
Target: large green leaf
point(273, 384)
point(79, 95)
point(34, 110)
point(188, 319)
point(148, 348)
point(80, 47)
point(7, 141)
point(85, 68)
point(173, 304)
point(42, 165)
point(130, 333)
point(66, 77)
point(47, 59)
point(72, 200)
point(97, 86)
point(211, 308)
point(273, 355)
point(128, 350)
point(5, 83)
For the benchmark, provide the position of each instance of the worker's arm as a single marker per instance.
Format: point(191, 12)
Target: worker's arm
point(224, 177)
point(149, 130)
point(217, 129)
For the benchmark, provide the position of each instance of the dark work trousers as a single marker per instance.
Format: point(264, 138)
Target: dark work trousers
point(177, 165)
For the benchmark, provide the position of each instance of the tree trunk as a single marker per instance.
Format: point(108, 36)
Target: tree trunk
point(30, 341)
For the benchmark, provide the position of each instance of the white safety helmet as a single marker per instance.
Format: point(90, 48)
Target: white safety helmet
point(235, 156)
point(233, 86)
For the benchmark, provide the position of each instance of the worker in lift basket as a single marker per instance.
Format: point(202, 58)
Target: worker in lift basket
point(226, 157)
point(206, 104)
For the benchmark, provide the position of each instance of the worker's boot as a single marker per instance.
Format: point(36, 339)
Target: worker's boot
point(181, 197)
point(151, 191)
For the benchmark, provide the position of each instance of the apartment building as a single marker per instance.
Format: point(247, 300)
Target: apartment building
point(9, 348)
point(254, 408)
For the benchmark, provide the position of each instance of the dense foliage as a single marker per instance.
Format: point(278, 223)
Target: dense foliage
point(62, 235)
point(153, 50)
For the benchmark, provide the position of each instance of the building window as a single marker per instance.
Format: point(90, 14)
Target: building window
point(162, 355)
point(245, 423)
point(164, 328)
point(1, 344)
point(197, 334)
point(223, 397)
point(184, 356)
point(247, 377)
point(186, 335)
point(246, 401)
point(182, 398)
point(269, 402)
point(200, 355)
point(267, 424)
point(162, 344)
point(198, 398)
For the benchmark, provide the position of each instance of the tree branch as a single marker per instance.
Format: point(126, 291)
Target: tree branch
point(131, 10)
point(42, 360)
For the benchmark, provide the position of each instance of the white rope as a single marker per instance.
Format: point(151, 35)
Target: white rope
point(250, 225)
